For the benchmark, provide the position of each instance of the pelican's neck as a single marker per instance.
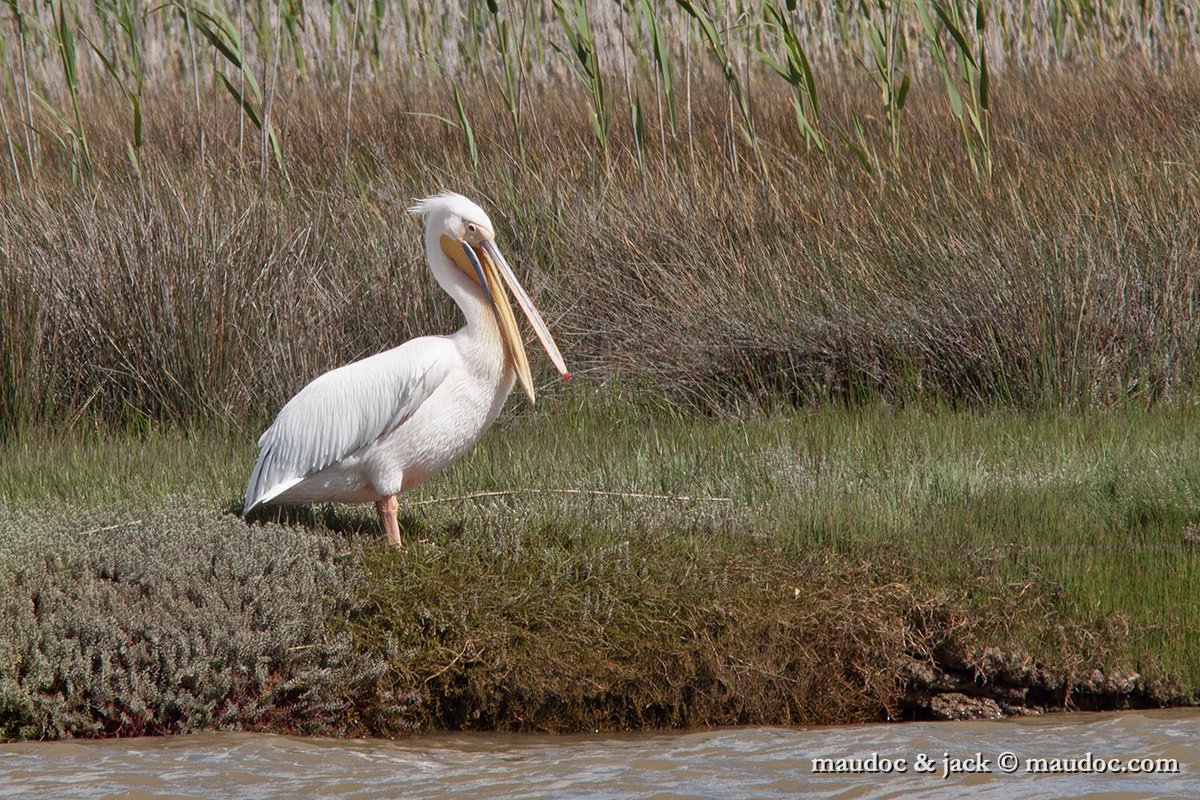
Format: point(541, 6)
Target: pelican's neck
point(482, 330)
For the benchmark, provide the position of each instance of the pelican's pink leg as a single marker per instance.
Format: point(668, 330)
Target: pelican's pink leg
point(387, 508)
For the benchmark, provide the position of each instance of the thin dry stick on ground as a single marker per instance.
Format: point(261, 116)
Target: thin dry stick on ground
point(594, 492)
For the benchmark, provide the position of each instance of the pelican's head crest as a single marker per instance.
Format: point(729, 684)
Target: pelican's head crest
point(452, 214)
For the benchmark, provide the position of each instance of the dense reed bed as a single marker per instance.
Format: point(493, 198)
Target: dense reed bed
point(634, 62)
point(1069, 277)
point(731, 206)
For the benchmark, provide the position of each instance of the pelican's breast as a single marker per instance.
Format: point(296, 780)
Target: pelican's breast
point(444, 428)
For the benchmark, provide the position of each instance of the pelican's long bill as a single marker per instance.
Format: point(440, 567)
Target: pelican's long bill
point(493, 272)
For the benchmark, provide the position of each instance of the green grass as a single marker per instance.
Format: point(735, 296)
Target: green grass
point(1072, 536)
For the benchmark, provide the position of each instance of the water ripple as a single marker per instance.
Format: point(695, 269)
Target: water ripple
point(727, 763)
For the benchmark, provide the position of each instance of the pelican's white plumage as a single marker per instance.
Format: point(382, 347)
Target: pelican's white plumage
point(380, 426)
point(340, 413)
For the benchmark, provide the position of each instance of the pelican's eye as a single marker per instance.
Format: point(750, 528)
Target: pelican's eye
point(472, 227)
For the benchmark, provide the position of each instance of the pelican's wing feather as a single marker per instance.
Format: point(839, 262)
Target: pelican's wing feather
point(345, 410)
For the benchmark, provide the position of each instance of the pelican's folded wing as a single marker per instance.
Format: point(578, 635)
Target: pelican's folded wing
point(344, 410)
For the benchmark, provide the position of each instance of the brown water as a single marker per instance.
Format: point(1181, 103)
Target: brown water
point(728, 763)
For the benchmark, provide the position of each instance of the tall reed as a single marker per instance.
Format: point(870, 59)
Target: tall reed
point(69, 122)
point(583, 59)
point(241, 50)
point(967, 87)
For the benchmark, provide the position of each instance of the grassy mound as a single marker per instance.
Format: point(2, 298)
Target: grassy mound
point(578, 571)
point(676, 631)
point(161, 625)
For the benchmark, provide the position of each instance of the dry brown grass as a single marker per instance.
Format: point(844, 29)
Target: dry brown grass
point(1072, 277)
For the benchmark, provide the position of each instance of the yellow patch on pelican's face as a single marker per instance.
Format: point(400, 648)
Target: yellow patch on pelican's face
point(454, 251)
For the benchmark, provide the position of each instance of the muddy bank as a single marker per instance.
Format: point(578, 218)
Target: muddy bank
point(1002, 684)
point(999, 684)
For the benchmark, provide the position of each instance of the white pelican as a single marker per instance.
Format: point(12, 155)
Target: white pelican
point(380, 426)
